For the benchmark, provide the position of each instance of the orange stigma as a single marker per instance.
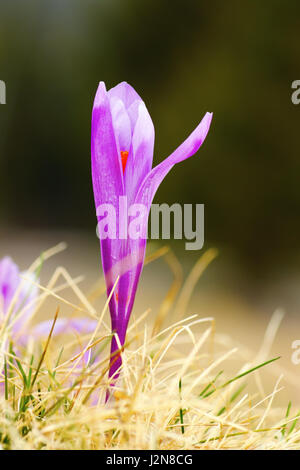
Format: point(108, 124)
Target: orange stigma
point(117, 297)
point(124, 156)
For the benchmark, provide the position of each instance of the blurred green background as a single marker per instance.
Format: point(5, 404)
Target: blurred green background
point(237, 59)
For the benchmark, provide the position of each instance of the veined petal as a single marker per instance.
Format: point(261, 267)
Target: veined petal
point(140, 158)
point(188, 148)
point(107, 172)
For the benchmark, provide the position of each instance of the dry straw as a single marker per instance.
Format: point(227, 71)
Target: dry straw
point(182, 386)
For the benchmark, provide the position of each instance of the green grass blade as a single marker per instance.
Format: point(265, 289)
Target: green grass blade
point(286, 416)
point(202, 394)
point(181, 411)
point(250, 370)
point(294, 423)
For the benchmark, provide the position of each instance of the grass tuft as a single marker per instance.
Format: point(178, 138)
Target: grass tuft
point(175, 390)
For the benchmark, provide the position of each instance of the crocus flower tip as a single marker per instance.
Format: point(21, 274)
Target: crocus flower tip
point(100, 93)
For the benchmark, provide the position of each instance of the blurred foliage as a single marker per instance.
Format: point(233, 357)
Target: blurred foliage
point(237, 59)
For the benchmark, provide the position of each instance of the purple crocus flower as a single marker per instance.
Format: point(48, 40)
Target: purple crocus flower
point(122, 146)
point(10, 283)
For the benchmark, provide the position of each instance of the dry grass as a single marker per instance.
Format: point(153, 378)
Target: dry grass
point(182, 387)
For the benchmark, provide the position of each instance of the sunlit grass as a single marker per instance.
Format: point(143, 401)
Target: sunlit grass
point(182, 386)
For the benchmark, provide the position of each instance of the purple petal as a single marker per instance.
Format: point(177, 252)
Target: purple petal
point(9, 281)
point(133, 112)
point(136, 249)
point(140, 158)
point(188, 148)
point(121, 124)
point(124, 92)
point(107, 173)
point(115, 252)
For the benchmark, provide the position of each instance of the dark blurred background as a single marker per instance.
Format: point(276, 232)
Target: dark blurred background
point(237, 59)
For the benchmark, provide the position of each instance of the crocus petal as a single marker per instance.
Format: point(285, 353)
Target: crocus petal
point(107, 173)
point(140, 158)
point(188, 148)
point(121, 123)
point(133, 112)
point(9, 281)
point(106, 161)
point(19, 288)
point(143, 137)
point(124, 92)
